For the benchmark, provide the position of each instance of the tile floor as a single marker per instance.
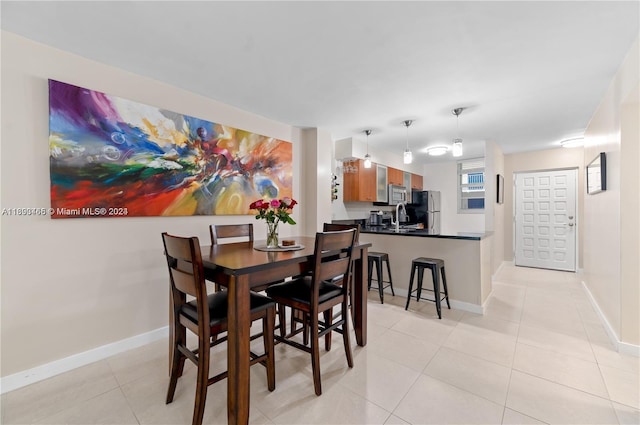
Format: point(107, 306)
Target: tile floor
point(538, 355)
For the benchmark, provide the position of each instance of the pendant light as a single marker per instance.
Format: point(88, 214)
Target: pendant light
point(408, 156)
point(457, 142)
point(367, 157)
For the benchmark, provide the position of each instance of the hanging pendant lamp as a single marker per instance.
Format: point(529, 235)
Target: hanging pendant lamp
point(367, 157)
point(457, 142)
point(408, 156)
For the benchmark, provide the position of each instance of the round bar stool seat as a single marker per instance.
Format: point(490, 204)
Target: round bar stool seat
point(434, 264)
point(376, 259)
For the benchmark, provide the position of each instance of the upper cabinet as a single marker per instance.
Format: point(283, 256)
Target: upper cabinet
point(361, 185)
point(382, 184)
point(417, 182)
point(406, 180)
point(395, 176)
point(371, 184)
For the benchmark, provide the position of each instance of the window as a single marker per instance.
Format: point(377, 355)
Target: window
point(471, 186)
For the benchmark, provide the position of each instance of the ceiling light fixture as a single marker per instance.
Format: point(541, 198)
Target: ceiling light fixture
point(367, 157)
point(457, 142)
point(572, 143)
point(408, 157)
point(437, 150)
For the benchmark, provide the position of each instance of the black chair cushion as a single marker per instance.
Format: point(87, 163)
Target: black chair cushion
point(300, 290)
point(218, 307)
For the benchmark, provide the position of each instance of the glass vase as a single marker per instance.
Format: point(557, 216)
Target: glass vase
point(272, 235)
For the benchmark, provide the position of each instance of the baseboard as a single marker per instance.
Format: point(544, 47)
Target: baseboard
point(39, 373)
point(464, 306)
point(504, 263)
point(455, 304)
point(621, 347)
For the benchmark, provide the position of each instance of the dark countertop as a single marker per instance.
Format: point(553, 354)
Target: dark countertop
point(423, 233)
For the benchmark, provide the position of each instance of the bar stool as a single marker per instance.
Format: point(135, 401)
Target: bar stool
point(378, 258)
point(434, 264)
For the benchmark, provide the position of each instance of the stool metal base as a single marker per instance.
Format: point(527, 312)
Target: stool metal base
point(378, 258)
point(419, 264)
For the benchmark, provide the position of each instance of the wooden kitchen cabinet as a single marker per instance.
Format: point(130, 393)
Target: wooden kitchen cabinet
point(417, 182)
point(395, 176)
point(361, 185)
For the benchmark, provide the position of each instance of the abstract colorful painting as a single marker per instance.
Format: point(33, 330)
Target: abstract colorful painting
point(114, 157)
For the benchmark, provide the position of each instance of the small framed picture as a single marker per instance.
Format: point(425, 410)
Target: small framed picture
point(500, 188)
point(597, 174)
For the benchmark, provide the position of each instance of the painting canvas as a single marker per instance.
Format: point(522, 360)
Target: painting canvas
point(114, 157)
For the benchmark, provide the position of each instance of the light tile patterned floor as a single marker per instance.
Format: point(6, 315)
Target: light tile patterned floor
point(538, 355)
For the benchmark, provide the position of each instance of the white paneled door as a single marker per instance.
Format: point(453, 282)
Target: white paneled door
point(545, 219)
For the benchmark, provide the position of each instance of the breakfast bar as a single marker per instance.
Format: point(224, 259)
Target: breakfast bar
point(466, 255)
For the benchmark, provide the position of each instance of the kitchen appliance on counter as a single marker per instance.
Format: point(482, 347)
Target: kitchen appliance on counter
point(375, 218)
point(425, 208)
point(397, 195)
point(379, 218)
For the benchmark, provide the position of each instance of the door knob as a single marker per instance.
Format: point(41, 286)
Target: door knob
point(570, 217)
point(570, 224)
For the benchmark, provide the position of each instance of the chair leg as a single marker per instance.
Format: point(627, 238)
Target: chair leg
point(444, 285)
point(390, 280)
point(420, 280)
point(413, 272)
point(282, 321)
point(204, 352)
point(345, 337)
point(328, 319)
point(177, 360)
point(380, 282)
point(294, 316)
point(369, 270)
point(315, 354)
point(436, 290)
point(268, 324)
point(305, 330)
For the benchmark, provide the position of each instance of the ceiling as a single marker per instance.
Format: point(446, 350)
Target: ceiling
point(528, 73)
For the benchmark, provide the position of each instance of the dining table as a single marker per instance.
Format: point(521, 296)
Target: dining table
point(241, 266)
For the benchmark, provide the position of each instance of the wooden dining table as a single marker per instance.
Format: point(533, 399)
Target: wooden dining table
point(239, 267)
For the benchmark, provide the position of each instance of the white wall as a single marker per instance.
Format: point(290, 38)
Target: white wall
point(444, 177)
point(610, 260)
point(317, 148)
point(494, 212)
point(72, 285)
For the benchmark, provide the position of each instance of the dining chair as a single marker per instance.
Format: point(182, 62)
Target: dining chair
point(224, 233)
point(318, 292)
point(297, 316)
point(205, 315)
point(333, 227)
point(220, 232)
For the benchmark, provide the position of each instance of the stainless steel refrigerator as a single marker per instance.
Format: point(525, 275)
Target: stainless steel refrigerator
point(425, 208)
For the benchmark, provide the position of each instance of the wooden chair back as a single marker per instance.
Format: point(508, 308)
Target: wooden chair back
point(186, 273)
point(332, 255)
point(219, 232)
point(334, 227)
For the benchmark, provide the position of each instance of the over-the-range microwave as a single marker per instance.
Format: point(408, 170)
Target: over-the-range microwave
point(397, 194)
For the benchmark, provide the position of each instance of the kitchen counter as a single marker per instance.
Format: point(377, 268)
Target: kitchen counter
point(467, 258)
point(407, 231)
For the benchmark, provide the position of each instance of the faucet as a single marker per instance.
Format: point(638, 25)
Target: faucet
point(397, 222)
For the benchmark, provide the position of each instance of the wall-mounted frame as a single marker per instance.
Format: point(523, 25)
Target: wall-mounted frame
point(110, 156)
point(597, 174)
point(500, 188)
